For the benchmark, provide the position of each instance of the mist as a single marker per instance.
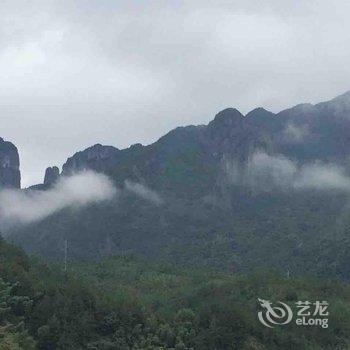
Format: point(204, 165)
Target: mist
point(323, 177)
point(143, 192)
point(265, 172)
point(23, 207)
point(295, 134)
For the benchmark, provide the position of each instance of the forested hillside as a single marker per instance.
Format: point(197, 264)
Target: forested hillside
point(125, 304)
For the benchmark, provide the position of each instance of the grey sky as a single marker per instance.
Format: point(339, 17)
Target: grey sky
point(75, 73)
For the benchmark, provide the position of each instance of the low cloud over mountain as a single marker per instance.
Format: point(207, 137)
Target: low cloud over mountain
point(78, 190)
point(264, 172)
point(143, 192)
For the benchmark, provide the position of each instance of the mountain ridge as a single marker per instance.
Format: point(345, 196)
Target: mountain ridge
point(242, 191)
point(95, 157)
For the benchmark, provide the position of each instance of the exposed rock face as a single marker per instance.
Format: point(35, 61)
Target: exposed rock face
point(97, 157)
point(232, 134)
point(10, 176)
point(51, 175)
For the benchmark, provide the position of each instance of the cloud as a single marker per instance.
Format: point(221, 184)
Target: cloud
point(264, 172)
point(296, 133)
point(143, 192)
point(18, 206)
point(144, 67)
point(321, 176)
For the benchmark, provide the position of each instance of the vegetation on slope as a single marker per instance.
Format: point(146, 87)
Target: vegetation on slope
point(123, 303)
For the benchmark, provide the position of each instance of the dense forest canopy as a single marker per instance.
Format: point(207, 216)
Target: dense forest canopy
point(123, 303)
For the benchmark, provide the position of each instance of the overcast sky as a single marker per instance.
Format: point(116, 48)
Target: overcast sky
point(76, 73)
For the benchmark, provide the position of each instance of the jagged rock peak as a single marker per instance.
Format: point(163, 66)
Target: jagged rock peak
point(99, 152)
point(227, 117)
point(51, 175)
point(95, 157)
point(10, 176)
point(259, 112)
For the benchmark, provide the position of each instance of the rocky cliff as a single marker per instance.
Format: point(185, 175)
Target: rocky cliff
point(51, 175)
point(10, 176)
point(97, 157)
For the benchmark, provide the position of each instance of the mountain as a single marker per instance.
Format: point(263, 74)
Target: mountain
point(10, 176)
point(97, 158)
point(262, 190)
point(51, 175)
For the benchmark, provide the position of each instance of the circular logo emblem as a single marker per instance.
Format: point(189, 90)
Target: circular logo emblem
point(274, 315)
